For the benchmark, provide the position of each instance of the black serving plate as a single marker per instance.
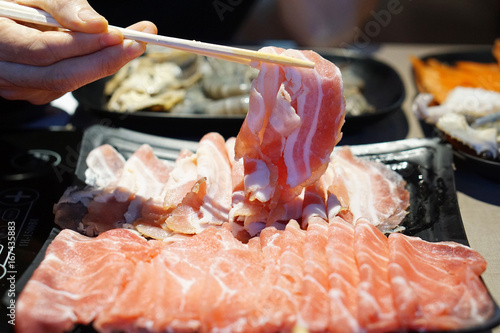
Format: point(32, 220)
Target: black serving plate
point(383, 89)
point(425, 164)
point(476, 54)
point(487, 168)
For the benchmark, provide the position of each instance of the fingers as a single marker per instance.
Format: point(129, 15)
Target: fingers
point(29, 46)
point(145, 26)
point(40, 84)
point(34, 96)
point(76, 15)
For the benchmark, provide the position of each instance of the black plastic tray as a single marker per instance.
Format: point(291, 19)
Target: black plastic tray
point(383, 89)
point(425, 164)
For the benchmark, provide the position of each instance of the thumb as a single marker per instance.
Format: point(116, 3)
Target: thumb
point(76, 15)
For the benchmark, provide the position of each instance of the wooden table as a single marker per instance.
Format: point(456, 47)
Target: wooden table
point(478, 197)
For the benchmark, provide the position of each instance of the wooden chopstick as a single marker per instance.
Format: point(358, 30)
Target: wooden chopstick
point(33, 15)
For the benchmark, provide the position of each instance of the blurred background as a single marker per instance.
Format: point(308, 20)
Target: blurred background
point(329, 23)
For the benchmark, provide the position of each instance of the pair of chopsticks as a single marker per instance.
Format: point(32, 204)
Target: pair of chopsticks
point(32, 15)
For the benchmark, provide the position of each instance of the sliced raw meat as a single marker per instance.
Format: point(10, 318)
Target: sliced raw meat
point(144, 174)
point(78, 277)
point(315, 306)
point(287, 290)
point(376, 309)
point(119, 191)
point(214, 165)
point(185, 218)
point(343, 277)
point(368, 189)
point(171, 285)
point(332, 276)
point(209, 201)
point(104, 166)
point(294, 121)
point(436, 286)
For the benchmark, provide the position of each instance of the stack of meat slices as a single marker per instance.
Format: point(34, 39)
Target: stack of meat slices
point(332, 277)
point(271, 231)
point(255, 180)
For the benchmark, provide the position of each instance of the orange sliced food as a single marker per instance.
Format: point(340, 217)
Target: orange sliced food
point(437, 78)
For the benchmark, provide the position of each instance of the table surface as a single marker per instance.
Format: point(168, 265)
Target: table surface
point(478, 197)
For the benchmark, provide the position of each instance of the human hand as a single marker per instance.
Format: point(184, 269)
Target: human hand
point(39, 65)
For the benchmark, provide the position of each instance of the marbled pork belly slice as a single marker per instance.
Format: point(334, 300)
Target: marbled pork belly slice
point(376, 308)
point(141, 180)
point(214, 165)
point(104, 166)
point(343, 276)
point(78, 277)
point(144, 175)
point(104, 169)
point(209, 201)
point(294, 121)
point(437, 286)
point(181, 181)
point(368, 189)
point(249, 217)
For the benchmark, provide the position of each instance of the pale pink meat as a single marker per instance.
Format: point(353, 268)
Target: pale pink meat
point(343, 277)
point(294, 121)
point(214, 165)
point(144, 174)
point(315, 305)
point(367, 189)
point(278, 234)
point(181, 179)
point(376, 308)
point(79, 276)
point(104, 166)
point(442, 295)
point(331, 277)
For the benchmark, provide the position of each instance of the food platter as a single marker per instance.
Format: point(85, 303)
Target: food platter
point(425, 164)
point(487, 168)
point(382, 88)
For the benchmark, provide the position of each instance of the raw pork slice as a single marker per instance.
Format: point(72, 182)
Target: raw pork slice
point(367, 189)
point(118, 190)
point(294, 121)
point(209, 201)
